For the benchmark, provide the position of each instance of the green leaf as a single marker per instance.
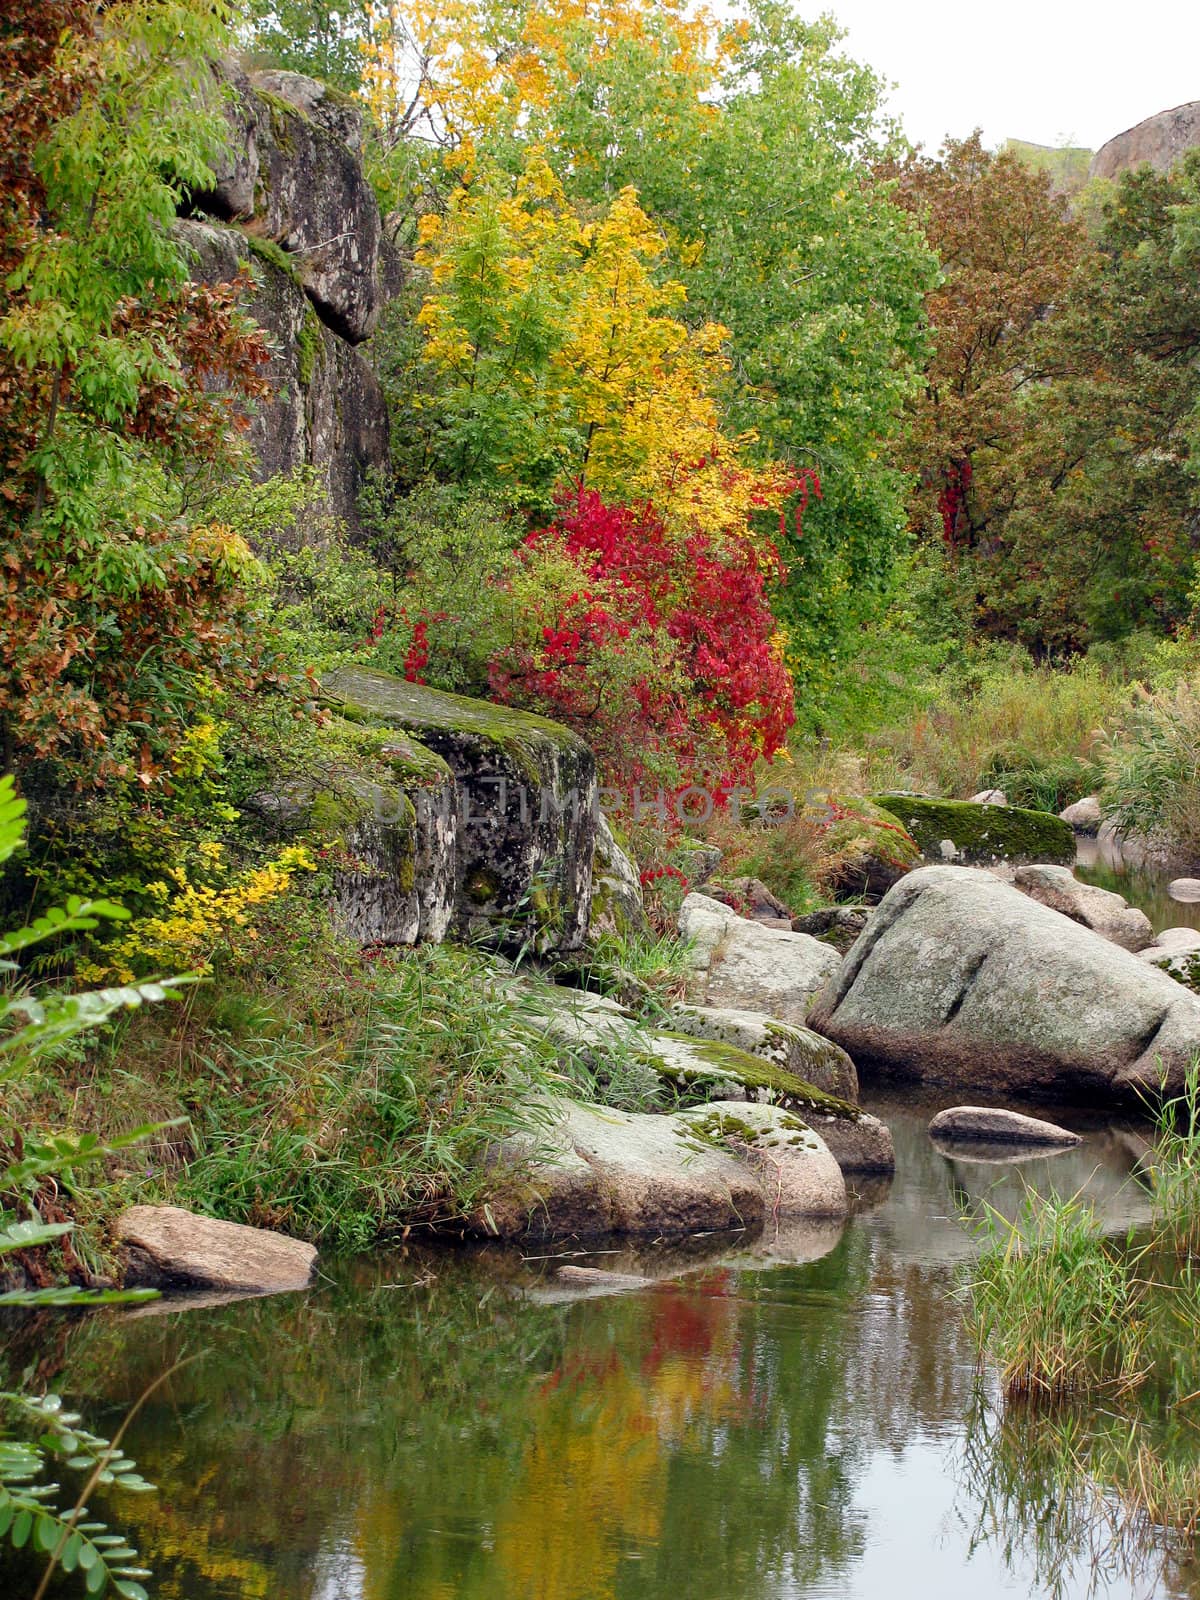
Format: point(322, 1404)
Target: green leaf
point(21, 1528)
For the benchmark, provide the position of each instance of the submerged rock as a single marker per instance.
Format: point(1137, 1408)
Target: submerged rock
point(961, 979)
point(743, 964)
point(994, 1126)
point(526, 803)
point(960, 830)
point(1108, 914)
point(168, 1248)
point(592, 1170)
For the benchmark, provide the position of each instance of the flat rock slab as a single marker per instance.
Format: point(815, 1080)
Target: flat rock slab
point(995, 1126)
point(169, 1248)
point(746, 965)
point(593, 1170)
point(962, 979)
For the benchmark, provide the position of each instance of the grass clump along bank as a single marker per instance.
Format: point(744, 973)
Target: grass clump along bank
point(1096, 1344)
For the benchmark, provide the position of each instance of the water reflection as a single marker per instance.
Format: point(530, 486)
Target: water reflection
point(729, 1432)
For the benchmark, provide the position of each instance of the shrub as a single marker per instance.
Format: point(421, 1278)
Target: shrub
point(1151, 767)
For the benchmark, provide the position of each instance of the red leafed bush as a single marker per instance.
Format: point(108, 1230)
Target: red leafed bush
point(659, 647)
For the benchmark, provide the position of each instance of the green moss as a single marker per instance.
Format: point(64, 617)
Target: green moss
point(532, 743)
point(717, 1127)
point(283, 116)
point(983, 833)
point(274, 255)
point(752, 1073)
point(310, 349)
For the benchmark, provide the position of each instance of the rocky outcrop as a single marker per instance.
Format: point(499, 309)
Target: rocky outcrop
point(326, 408)
point(291, 202)
point(1160, 142)
point(961, 979)
point(837, 926)
point(743, 964)
point(592, 1170)
point(712, 1056)
point(991, 1125)
point(168, 1248)
point(292, 174)
point(1108, 914)
point(526, 802)
point(960, 830)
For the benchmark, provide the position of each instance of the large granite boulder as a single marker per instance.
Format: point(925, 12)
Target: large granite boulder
point(962, 979)
point(168, 1248)
point(526, 802)
point(754, 968)
point(591, 1170)
point(292, 174)
point(327, 409)
point(960, 830)
point(698, 1062)
point(1106, 913)
point(1160, 141)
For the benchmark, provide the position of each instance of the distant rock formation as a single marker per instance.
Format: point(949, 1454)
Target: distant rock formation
point(1160, 141)
point(291, 200)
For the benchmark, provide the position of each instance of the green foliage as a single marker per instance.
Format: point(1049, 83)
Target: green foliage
point(36, 1435)
point(308, 36)
point(344, 1137)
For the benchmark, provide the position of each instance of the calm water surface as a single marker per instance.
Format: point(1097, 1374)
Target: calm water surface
point(449, 1427)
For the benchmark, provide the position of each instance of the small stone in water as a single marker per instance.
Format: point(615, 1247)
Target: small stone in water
point(1185, 890)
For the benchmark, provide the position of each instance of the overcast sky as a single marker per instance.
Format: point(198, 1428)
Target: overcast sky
point(1053, 71)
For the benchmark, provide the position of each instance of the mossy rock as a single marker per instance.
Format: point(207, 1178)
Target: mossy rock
point(701, 1070)
point(870, 847)
point(977, 835)
point(525, 803)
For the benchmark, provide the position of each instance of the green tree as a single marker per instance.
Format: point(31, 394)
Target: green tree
point(120, 388)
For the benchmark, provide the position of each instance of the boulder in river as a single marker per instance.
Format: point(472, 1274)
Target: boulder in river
point(169, 1248)
point(961, 831)
point(962, 979)
point(1108, 914)
point(592, 1170)
point(992, 1125)
point(789, 1045)
point(1083, 816)
point(1185, 891)
point(743, 964)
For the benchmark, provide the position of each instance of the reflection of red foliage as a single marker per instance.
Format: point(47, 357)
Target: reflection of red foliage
point(693, 604)
point(682, 1326)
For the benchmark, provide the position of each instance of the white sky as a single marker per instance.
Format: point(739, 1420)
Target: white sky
point(1052, 71)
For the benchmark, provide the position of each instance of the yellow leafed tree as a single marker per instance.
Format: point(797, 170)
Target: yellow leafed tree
point(559, 353)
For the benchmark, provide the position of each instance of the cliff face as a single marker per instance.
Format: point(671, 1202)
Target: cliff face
point(291, 200)
point(1160, 141)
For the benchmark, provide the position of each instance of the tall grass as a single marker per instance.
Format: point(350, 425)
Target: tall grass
point(1151, 767)
point(1054, 1302)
